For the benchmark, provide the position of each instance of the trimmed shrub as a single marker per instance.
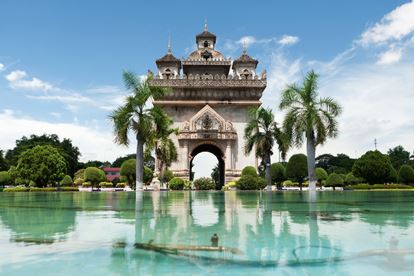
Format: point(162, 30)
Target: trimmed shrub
point(187, 185)
point(277, 173)
point(204, 183)
point(79, 174)
point(105, 184)
point(47, 189)
point(16, 189)
point(351, 179)
point(334, 180)
point(5, 178)
point(147, 175)
point(261, 183)
point(231, 184)
point(87, 184)
point(249, 170)
point(176, 183)
point(373, 166)
point(128, 171)
point(66, 181)
point(120, 185)
point(288, 183)
point(168, 175)
point(406, 175)
point(79, 181)
point(94, 175)
point(249, 182)
point(296, 169)
point(321, 175)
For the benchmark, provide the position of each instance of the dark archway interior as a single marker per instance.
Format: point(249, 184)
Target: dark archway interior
point(219, 155)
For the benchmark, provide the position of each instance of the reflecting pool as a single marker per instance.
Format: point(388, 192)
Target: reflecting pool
point(158, 233)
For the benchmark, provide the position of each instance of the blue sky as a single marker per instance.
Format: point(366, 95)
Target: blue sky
point(61, 61)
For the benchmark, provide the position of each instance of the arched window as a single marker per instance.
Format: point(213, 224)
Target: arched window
point(167, 73)
point(246, 74)
point(206, 44)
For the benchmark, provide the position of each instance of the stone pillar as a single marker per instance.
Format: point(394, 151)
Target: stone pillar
point(228, 156)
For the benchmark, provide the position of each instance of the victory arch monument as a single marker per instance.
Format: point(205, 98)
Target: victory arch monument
point(209, 102)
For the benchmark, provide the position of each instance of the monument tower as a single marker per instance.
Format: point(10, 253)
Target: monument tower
point(209, 104)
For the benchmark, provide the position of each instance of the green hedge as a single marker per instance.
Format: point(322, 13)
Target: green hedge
point(364, 186)
point(249, 182)
point(87, 184)
point(204, 183)
point(16, 189)
point(249, 170)
point(69, 189)
point(176, 184)
point(120, 185)
point(106, 185)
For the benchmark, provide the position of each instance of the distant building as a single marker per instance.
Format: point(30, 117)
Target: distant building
point(111, 173)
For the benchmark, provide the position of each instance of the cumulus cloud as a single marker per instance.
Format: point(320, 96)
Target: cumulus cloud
point(17, 80)
point(93, 143)
point(395, 25)
point(1, 66)
point(288, 40)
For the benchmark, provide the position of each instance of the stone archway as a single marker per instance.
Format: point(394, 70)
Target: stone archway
point(216, 151)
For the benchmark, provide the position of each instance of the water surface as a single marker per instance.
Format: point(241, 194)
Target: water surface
point(279, 233)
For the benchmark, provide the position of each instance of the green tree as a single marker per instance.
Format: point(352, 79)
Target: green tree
point(277, 173)
point(296, 169)
point(41, 164)
point(4, 165)
point(334, 180)
point(94, 175)
point(216, 175)
point(118, 162)
point(321, 175)
point(5, 178)
point(351, 179)
point(249, 170)
point(147, 175)
point(128, 170)
point(135, 116)
point(399, 157)
point(168, 175)
point(309, 117)
point(66, 181)
point(373, 166)
point(406, 175)
point(65, 147)
point(262, 132)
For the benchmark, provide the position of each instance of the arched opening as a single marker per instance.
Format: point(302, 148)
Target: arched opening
point(219, 156)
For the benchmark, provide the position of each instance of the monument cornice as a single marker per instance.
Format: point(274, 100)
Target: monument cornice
point(215, 82)
point(203, 103)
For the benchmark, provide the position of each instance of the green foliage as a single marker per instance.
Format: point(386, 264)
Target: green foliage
point(187, 185)
point(216, 175)
point(406, 175)
point(5, 178)
point(168, 175)
point(334, 180)
point(41, 164)
point(118, 162)
point(176, 183)
point(204, 183)
point(351, 179)
point(79, 174)
point(373, 166)
point(321, 175)
point(277, 173)
point(364, 186)
point(249, 182)
point(16, 189)
point(79, 181)
point(231, 184)
point(86, 184)
point(106, 184)
point(399, 157)
point(287, 183)
point(393, 175)
point(296, 169)
point(341, 163)
point(115, 181)
point(123, 179)
point(46, 189)
point(147, 175)
point(4, 165)
point(120, 185)
point(94, 175)
point(128, 171)
point(69, 189)
point(65, 148)
point(249, 170)
point(66, 181)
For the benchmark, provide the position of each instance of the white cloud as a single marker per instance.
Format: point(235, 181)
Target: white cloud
point(17, 81)
point(93, 143)
point(1, 66)
point(395, 25)
point(288, 40)
point(392, 55)
point(74, 98)
point(56, 114)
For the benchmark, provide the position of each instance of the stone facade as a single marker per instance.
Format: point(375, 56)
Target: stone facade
point(209, 103)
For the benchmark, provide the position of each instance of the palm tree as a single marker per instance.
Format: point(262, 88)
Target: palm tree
point(309, 116)
point(262, 132)
point(136, 116)
point(164, 147)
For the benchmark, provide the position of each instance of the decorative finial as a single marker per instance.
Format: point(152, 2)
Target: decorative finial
point(169, 45)
point(206, 26)
point(244, 47)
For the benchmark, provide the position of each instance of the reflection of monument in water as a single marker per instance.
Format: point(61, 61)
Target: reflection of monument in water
point(209, 104)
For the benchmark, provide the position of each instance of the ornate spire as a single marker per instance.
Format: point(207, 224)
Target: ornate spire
point(244, 47)
point(206, 25)
point(169, 46)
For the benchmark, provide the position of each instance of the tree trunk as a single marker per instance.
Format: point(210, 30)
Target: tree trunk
point(268, 171)
point(139, 165)
point(311, 162)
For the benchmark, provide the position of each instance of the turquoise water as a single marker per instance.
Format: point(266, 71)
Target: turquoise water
point(279, 233)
